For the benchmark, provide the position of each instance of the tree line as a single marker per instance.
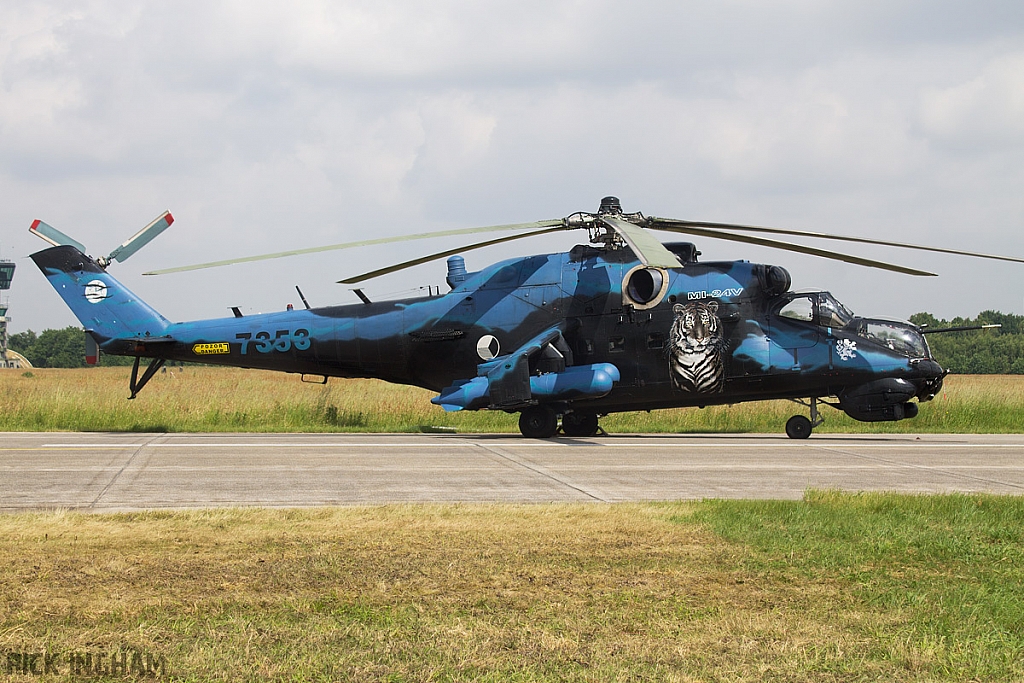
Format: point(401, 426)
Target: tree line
point(979, 352)
point(57, 348)
point(982, 352)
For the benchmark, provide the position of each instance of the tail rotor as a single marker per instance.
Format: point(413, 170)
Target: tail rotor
point(121, 253)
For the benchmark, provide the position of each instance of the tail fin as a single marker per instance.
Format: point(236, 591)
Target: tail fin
point(105, 307)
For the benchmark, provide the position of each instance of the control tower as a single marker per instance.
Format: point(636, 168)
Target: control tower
point(6, 275)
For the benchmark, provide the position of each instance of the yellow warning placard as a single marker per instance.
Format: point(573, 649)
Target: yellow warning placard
point(216, 348)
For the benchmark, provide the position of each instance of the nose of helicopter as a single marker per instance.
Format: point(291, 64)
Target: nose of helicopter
point(928, 378)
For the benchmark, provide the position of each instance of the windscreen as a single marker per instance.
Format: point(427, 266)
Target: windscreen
point(899, 337)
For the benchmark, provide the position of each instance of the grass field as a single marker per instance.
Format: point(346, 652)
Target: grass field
point(206, 399)
point(832, 588)
point(836, 587)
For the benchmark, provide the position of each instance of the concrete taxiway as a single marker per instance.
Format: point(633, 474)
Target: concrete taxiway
point(106, 472)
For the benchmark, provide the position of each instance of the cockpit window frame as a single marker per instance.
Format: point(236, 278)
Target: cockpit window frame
point(838, 315)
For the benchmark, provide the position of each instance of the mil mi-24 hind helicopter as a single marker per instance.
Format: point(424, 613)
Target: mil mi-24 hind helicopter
point(620, 324)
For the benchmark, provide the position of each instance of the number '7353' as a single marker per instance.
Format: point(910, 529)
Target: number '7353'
point(282, 340)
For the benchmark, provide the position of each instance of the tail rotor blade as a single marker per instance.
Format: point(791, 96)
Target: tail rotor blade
point(54, 236)
point(141, 238)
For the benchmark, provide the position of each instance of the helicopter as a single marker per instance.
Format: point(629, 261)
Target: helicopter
point(621, 323)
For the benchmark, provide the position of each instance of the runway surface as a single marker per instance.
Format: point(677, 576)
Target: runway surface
point(108, 472)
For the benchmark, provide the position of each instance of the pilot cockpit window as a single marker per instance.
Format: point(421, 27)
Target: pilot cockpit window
point(831, 313)
point(821, 308)
point(800, 308)
point(899, 337)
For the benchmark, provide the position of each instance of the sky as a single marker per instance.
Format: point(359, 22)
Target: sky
point(271, 126)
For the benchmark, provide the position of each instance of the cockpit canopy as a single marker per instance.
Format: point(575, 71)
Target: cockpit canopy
point(821, 308)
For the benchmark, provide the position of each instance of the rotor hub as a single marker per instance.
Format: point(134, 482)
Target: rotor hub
point(610, 206)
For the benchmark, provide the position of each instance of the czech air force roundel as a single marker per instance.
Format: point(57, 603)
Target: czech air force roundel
point(95, 291)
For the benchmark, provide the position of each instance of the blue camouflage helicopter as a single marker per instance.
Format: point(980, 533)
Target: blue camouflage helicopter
point(621, 323)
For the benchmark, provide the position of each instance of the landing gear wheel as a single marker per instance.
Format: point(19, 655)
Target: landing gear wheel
point(798, 427)
point(579, 424)
point(538, 422)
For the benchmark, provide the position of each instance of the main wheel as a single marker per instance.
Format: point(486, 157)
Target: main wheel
point(579, 424)
point(798, 427)
point(538, 422)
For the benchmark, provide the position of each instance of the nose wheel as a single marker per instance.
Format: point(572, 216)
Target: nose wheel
point(800, 427)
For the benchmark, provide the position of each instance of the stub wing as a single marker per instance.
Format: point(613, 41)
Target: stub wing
point(540, 370)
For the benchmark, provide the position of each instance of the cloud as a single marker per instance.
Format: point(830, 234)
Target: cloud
point(981, 114)
point(265, 127)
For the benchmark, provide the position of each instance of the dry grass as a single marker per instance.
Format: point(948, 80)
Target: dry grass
point(423, 593)
point(554, 592)
point(231, 399)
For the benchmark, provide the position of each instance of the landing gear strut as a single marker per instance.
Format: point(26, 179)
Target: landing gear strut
point(798, 426)
point(136, 384)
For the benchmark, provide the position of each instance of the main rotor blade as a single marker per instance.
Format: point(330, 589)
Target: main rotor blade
point(362, 243)
point(645, 246)
point(443, 254)
point(658, 223)
point(788, 246)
